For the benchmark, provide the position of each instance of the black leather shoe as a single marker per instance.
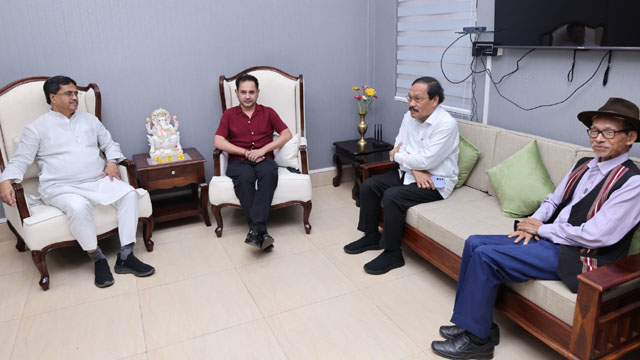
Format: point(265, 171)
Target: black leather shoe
point(253, 238)
point(103, 277)
point(451, 331)
point(370, 241)
point(132, 265)
point(266, 242)
point(461, 347)
point(386, 261)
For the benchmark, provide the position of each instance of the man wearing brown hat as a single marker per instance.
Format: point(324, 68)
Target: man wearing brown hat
point(587, 222)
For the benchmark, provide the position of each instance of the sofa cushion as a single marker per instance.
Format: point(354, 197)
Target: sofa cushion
point(451, 225)
point(484, 138)
point(558, 157)
point(290, 187)
point(551, 295)
point(521, 182)
point(468, 155)
point(458, 196)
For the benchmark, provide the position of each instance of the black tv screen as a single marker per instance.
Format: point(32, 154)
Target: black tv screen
point(572, 24)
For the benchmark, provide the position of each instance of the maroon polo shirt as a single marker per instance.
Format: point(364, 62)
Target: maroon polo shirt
point(250, 133)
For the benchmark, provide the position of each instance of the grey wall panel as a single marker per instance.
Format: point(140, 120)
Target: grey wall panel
point(150, 53)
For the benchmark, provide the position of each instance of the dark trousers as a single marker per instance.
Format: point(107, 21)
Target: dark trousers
point(488, 261)
point(256, 203)
point(396, 199)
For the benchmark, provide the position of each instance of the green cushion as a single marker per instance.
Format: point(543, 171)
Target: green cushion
point(521, 182)
point(634, 248)
point(467, 157)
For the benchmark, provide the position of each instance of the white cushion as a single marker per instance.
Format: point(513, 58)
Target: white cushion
point(287, 155)
point(291, 187)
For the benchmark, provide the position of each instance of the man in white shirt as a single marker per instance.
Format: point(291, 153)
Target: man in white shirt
point(426, 150)
point(73, 177)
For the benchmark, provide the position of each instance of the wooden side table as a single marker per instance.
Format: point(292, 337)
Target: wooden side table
point(351, 153)
point(167, 206)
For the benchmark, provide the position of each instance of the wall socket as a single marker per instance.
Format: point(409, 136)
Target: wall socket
point(484, 48)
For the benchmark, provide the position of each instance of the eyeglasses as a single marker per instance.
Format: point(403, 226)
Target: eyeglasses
point(69, 93)
point(416, 99)
point(606, 133)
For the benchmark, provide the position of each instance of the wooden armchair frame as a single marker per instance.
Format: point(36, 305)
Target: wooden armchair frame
point(306, 205)
point(39, 256)
point(605, 329)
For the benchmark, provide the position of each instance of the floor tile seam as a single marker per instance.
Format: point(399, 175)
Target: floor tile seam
point(244, 322)
point(272, 258)
point(191, 277)
point(24, 303)
point(356, 287)
point(398, 327)
point(15, 272)
point(144, 332)
point(275, 336)
point(315, 302)
point(15, 338)
point(386, 281)
point(78, 304)
point(246, 288)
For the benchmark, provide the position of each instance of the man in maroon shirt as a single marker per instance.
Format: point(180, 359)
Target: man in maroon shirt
point(246, 133)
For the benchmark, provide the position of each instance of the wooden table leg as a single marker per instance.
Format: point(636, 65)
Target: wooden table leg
point(338, 161)
point(204, 203)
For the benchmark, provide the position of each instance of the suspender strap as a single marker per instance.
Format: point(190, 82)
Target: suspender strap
point(573, 179)
point(603, 195)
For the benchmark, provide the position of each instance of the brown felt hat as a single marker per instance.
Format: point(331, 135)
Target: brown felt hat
point(617, 108)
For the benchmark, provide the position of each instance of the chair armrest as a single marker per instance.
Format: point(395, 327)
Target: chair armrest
point(302, 148)
point(370, 169)
point(216, 161)
point(21, 202)
point(591, 316)
point(130, 168)
point(612, 275)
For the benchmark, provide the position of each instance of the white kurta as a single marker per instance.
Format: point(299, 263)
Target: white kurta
point(68, 154)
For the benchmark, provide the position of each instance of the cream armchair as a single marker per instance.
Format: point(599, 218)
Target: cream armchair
point(40, 227)
point(283, 93)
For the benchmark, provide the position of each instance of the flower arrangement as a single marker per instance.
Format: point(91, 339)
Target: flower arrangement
point(364, 96)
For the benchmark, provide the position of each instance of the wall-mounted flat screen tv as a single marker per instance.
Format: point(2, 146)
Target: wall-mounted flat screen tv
point(570, 24)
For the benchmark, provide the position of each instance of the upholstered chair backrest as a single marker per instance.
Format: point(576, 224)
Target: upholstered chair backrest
point(278, 90)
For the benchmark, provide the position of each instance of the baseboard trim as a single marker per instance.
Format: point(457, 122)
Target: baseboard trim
point(324, 176)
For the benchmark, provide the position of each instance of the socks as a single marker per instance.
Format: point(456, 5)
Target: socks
point(477, 340)
point(97, 255)
point(125, 251)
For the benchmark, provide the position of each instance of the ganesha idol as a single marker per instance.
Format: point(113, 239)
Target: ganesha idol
point(164, 137)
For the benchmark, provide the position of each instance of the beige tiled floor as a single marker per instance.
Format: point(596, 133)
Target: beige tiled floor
point(217, 298)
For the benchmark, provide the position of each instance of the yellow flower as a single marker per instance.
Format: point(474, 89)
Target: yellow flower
point(370, 91)
point(169, 158)
point(159, 159)
point(180, 156)
point(355, 88)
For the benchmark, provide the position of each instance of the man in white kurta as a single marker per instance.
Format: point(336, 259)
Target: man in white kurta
point(67, 145)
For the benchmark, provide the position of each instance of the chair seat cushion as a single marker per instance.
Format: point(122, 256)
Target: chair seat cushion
point(291, 187)
point(48, 225)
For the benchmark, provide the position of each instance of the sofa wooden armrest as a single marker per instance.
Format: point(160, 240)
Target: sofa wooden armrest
point(374, 168)
point(606, 328)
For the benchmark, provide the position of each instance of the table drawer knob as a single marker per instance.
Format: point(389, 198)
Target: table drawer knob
point(173, 172)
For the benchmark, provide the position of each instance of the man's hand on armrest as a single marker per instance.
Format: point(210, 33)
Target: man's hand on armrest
point(7, 193)
point(112, 171)
point(423, 179)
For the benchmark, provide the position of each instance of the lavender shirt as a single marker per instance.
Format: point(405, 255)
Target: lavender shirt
point(619, 214)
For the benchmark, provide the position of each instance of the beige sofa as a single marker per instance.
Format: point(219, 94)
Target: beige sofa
point(547, 309)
